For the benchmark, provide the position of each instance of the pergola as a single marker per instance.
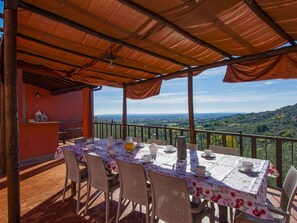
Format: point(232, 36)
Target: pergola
point(135, 45)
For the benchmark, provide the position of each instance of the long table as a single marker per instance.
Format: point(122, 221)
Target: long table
point(227, 185)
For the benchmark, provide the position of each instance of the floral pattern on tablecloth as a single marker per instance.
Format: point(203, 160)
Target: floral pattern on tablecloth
point(226, 186)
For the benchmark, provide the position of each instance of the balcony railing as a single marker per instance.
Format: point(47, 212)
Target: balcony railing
point(280, 151)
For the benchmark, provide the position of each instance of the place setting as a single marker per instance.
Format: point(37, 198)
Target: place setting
point(247, 167)
point(208, 154)
point(170, 149)
point(200, 171)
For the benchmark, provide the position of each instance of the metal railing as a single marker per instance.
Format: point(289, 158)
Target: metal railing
point(280, 151)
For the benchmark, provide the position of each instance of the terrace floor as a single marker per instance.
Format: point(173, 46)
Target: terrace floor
point(41, 195)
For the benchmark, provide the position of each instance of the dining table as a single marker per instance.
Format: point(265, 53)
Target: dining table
point(225, 182)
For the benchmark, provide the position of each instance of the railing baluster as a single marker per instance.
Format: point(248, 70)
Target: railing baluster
point(149, 132)
point(240, 143)
point(170, 136)
point(141, 129)
point(224, 140)
point(165, 133)
point(207, 140)
point(254, 147)
point(279, 162)
point(157, 133)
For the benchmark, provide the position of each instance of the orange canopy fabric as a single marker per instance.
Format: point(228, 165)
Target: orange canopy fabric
point(149, 39)
point(282, 66)
point(144, 90)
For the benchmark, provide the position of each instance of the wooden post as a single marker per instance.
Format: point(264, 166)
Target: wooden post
point(2, 116)
point(191, 108)
point(124, 117)
point(11, 114)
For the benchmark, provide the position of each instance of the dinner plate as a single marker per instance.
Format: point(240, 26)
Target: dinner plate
point(151, 161)
point(212, 156)
point(173, 150)
point(241, 169)
point(207, 174)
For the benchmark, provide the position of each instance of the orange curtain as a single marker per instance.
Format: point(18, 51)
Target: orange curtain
point(281, 66)
point(144, 90)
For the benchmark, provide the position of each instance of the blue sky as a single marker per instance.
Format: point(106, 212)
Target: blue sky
point(211, 95)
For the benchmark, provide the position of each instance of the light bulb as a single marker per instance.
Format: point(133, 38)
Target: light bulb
point(111, 64)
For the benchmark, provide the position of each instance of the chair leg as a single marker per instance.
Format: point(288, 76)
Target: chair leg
point(107, 207)
point(78, 197)
point(119, 208)
point(231, 215)
point(88, 196)
point(65, 186)
point(212, 213)
point(147, 214)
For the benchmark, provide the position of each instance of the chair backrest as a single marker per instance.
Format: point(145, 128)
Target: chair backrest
point(192, 146)
point(289, 190)
point(224, 150)
point(133, 185)
point(72, 168)
point(170, 198)
point(137, 139)
point(159, 142)
point(97, 172)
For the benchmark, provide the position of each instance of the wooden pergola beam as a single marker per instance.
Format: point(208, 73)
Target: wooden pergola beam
point(267, 54)
point(69, 89)
point(268, 20)
point(171, 25)
point(75, 66)
point(81, 54)
point(92, 32)
point(11, 111)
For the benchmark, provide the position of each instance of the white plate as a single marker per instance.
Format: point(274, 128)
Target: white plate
point(207, 174)
point(151, 161)
point(173, 150)
point(241, 169)
point(209, 157)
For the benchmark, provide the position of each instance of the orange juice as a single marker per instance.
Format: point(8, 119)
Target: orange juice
point(129, 146)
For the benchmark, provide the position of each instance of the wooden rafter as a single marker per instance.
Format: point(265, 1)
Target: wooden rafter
point(92, 32)
point(73, 65)
point(242, 59)
point(69, 89)
point(268, 20)
point(81, 54)
point(171, 25)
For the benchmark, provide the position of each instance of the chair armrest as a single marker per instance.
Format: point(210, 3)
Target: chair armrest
point(278, 211)
point(199, 208)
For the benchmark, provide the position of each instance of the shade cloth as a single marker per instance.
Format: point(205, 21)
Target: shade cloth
point(77, 36)
point(282, 66)
point(144, 90)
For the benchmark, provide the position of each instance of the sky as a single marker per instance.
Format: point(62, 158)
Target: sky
point(211, 95)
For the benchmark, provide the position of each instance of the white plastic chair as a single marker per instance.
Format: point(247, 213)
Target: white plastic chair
point(133, 186)
point(171, 202)
point(281, 213)
point(159, 142)
point(224, 150)
point(75, 173)
point(101, 180)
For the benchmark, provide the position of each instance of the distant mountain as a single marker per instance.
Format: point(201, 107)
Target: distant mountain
point(281, 122)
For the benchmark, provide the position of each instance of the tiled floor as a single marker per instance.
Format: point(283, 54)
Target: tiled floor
point(41, 190)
